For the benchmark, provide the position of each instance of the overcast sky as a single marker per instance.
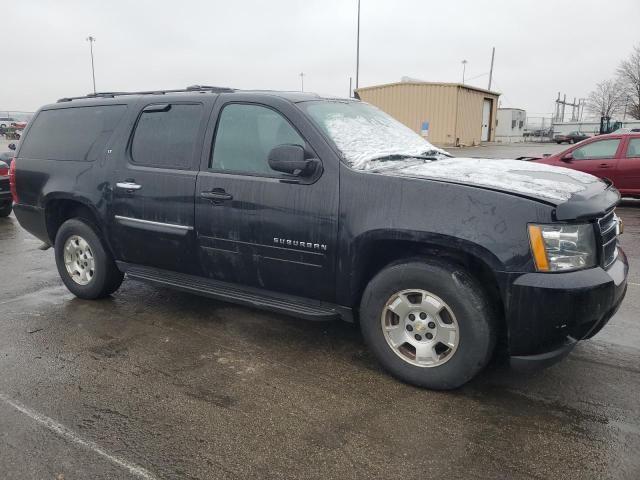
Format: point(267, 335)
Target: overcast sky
point(542, 47)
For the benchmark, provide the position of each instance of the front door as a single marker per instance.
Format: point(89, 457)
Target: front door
point(597, 158)
point(486, 119)
point(153, 185)
point(256, 226)
point(628, 177)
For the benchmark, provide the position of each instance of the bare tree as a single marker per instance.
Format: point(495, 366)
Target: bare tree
point(629, 76)
point(607, 98)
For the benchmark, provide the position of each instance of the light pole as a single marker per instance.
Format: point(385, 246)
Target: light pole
point(358, 49)
point(301, 82)
point(92, 39)
point(464, 68)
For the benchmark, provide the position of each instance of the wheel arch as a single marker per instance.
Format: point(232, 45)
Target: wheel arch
point(377, 251)
point(60, 208)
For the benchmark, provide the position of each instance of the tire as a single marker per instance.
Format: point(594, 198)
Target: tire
point(5, 210)
point(464, 309)
point(95, 272)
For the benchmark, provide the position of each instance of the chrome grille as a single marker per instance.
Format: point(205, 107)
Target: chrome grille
point(609, 237)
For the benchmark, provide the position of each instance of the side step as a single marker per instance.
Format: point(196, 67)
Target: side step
point(253, 297)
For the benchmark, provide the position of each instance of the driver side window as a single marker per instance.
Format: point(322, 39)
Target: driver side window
point(246, 134)
point(601, 149)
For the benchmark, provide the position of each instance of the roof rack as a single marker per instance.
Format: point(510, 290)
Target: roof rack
point(192, 88)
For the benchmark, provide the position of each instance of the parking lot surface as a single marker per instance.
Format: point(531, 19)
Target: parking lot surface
point(154, 383)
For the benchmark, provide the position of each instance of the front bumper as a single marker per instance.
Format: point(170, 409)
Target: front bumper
point(548, 313)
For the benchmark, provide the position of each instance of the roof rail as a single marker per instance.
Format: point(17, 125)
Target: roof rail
point(192, 88)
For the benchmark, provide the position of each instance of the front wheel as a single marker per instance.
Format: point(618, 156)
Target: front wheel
point(429, 324)
point(84, 264)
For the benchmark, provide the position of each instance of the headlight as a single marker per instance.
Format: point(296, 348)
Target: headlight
point(558, 248)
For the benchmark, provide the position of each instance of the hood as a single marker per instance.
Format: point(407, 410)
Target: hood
point(555, 185)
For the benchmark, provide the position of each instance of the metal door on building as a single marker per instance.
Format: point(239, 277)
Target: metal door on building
point(486, 119)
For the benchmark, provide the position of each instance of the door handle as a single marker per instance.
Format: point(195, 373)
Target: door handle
point(604, 165)
point(217, 195)
point(129, 186)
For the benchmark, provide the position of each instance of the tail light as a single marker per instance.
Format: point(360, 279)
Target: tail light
point(4, 171)
point(12, 181)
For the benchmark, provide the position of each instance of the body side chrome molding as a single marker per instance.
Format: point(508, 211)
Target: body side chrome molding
point(122, 219)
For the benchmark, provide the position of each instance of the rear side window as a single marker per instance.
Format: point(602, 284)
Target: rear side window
point(601, 149)
point(167, 138)
point(76, 134)
point(633, 149)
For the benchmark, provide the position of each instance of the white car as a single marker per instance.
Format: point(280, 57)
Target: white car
point(6, 121)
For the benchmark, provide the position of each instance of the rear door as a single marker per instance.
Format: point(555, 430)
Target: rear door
point(598, 158)
point(628, 176)
point(258, 227)
point(153, 185)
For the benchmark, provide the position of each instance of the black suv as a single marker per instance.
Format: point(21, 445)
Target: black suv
point(324, 208)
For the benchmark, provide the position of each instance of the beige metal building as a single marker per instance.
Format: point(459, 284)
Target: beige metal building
point(445, 113)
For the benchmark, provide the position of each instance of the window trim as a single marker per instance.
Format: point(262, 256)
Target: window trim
point(619, 140)
point(277, 176)
point(192, 165)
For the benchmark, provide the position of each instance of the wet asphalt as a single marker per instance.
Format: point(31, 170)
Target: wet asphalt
point(153, 383)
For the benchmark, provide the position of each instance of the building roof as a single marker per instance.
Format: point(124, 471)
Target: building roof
point(441, 84)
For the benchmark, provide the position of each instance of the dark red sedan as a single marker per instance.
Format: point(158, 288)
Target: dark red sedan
point(613, 156)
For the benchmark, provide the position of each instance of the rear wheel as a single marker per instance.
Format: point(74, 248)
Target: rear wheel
point(84, 264)
point(430, 325)
point(5, 210)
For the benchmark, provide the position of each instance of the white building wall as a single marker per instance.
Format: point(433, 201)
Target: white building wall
point(510, 127)
point(589, 128)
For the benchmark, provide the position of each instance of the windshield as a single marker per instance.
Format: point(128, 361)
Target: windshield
point(366, 135)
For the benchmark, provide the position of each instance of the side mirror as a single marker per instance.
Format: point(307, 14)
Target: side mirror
point(568, 158)
point(290, 159)
point(12, 146)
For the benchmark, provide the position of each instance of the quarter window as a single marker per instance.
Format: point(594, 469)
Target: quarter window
point(73, 134)
point(245, 136)
point(601, 149)
point(633, 149)
point(166, 138)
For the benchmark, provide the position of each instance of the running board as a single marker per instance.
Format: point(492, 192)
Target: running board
point(252, 297)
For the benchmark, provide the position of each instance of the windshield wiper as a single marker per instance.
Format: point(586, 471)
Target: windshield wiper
point(401, 156)
point(435, 153)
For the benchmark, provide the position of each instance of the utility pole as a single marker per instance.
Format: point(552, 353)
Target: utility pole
point(301, 82)
point(358, 50)
point(493, 54)
point(464, 68)
point(92, 39)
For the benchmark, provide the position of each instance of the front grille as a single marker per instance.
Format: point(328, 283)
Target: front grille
point(609, 238)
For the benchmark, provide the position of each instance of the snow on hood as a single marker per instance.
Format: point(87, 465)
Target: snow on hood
point(362, 139)
point(556, 184)
point(364, 135)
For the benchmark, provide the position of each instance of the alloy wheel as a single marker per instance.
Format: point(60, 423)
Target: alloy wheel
point(420, 328)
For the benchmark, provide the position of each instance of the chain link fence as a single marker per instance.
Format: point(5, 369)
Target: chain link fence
point(539, 129)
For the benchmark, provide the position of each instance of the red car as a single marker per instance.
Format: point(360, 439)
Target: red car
point(613, 156)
